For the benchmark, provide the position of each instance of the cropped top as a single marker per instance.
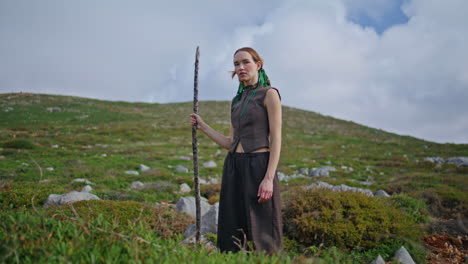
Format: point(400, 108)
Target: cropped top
point(250, 122)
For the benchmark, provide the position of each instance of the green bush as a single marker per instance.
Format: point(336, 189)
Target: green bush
point(345, 220)
point(163, 219)
point(19, 144)
point(23, 195)
point(415, 208)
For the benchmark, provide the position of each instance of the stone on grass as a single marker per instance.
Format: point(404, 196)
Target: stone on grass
point(434, 159)
point(87, 189)
point(50, 169)
point(381, 193)
point(184, 158)
point(143, 168)
point(83, 181)
point(322, 171)
point(187, 205)
point(319, 185)
point(181, 168)
point(132, 173)
point(282, 176)
point(71, 197)
point(209, 164)
point(378, 260)
point(402, 256)
point(459, 161)
point(345, 188)
point(209, 222)
point(137, 185)
point(184, 188)
point(304, 171)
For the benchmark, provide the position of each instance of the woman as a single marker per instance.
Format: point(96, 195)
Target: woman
point(250, 206)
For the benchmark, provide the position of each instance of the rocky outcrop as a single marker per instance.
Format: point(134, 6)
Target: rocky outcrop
point(71, 197)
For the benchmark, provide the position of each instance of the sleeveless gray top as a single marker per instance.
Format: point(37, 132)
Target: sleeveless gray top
point(252, 128)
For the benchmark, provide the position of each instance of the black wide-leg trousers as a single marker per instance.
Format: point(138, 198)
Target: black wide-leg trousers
point(241, 217)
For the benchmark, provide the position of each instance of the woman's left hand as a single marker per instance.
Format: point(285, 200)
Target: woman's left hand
point(265, 190)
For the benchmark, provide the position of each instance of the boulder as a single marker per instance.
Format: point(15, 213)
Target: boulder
point(181, 168)
point(434, 159)
point(322, 171)
point(71, 197)
point(345, 188)
point(402, 256)
point(319, 185)
point(187, 205)
point(304, 171)
point(209, 222)
point(83, 181)
point(381, 193)
point(86, 189)
point(143, 168)
point(184, 188)
point(378, 260)
point(459, 161)
point(209, 164)
point(137, 185)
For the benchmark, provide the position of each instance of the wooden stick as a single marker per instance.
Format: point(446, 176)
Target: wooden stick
point(195, 150)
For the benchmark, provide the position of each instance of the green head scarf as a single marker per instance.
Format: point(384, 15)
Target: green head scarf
point(262, 79)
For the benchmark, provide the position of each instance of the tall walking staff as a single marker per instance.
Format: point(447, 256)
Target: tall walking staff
point(195, 149)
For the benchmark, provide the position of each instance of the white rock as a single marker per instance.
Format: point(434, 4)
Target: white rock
point(322, 171)
point(143, 168)
point(209, 222)
point(50, 169)
point(213, 181)
point(87, 189)
point(74, 196)
point(209, 164)
point(402, 256)
point(132, 173)
point(181, 168)
point(55, 146)
point(381, 193)
point(137, 185)
point(320, 184)
point(378, 260)
point(83, 181)
point(104, 155)
point(187, 205)
point(184, 158)
point(184, 188)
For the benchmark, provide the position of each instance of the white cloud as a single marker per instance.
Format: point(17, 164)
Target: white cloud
point(411, 79)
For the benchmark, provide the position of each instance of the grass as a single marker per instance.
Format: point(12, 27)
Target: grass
point(61, 138)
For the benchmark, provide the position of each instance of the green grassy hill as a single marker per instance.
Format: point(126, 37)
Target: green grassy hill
point(61, 138)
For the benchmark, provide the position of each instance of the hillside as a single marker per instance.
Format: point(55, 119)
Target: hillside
point(46, 141)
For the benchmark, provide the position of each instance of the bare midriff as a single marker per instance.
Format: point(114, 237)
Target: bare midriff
point(240, 149)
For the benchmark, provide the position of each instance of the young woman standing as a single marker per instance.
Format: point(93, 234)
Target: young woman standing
point(250, 205)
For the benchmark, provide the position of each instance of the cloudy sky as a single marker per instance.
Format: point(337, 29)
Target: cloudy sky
point(398, 65)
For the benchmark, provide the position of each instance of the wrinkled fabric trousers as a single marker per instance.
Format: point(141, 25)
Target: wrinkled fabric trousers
point(241, 217)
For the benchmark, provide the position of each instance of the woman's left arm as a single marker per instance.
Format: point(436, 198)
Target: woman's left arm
point(273, 106)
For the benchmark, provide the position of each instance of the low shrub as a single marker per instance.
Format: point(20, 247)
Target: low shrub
point(211, 191)
point(23, 195)
point(163, 219)
point(345, 219)
point(414, 208)
point(19, 144)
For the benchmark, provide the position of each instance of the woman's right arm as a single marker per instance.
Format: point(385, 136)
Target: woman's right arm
point(217, 137)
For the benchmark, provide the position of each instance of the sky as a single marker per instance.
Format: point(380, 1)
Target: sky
point(396, 65)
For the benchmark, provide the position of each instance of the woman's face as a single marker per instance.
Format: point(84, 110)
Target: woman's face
point(245, 68)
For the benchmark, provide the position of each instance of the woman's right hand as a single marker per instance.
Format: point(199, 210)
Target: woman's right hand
point(196, 119)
